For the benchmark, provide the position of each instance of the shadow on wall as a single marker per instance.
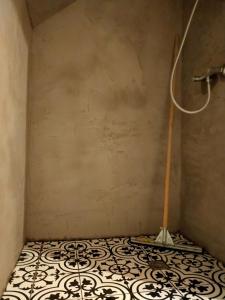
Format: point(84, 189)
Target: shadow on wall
point(21, 10)
point(42, 10)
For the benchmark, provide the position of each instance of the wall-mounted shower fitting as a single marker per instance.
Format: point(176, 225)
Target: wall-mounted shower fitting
point(212, 73)
point(207, 79)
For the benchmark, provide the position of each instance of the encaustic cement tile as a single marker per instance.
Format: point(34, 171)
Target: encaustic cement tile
point(113, 269)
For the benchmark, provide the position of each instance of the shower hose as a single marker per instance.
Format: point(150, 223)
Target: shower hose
point(174, 69)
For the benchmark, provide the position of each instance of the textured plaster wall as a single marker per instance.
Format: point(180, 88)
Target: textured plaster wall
point(40, 10)
point(14, 37)
point(97, 120)
point(203, 135)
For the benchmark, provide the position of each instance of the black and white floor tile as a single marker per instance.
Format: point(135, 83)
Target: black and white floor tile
point(113, 269)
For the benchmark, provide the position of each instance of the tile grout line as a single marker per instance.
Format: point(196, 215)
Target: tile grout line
point(124, 279)
point(111, 256)
point(77, 261)
point(36, 271)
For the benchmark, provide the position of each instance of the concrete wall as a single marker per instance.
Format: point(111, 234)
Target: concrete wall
point(98, 117)
point(14, 37)
point(42, 10)
point(203, 138)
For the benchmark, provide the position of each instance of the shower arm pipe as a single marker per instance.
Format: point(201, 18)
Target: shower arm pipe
point(174, 69)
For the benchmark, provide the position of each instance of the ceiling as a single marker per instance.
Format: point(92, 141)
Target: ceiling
point(40, 10)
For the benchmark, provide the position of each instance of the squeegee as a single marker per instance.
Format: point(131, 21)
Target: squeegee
point(164, 238)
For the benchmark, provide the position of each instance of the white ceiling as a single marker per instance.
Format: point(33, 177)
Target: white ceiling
point(40, 10)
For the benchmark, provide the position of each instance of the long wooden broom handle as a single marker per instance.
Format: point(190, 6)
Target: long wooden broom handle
point(169, 154)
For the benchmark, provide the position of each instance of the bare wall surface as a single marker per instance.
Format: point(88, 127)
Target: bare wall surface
point(14, 37)
point(40, 10)
point(203, 135)
point(97, 120)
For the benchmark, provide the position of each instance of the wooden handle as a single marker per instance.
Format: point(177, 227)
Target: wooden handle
point(169, 154)
point(168, 167)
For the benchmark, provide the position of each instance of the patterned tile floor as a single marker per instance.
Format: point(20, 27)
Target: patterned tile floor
point(113, 269)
